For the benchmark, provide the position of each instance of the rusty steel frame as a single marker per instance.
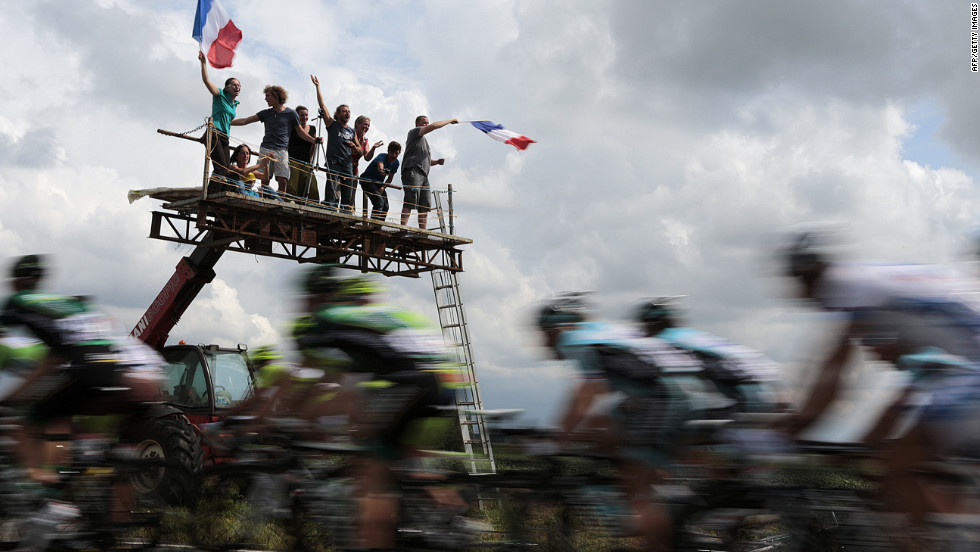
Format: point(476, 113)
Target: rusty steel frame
point(308, 234)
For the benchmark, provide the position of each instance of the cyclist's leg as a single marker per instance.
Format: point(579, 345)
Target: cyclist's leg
point(653, 521)
point(114, 394)
point(378, 505)
point(947, 425)
point(42, 394)
point(386, 421)
point(642, 458)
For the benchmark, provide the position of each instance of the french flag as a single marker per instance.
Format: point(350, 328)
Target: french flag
point(501, 134)
point(216, 32)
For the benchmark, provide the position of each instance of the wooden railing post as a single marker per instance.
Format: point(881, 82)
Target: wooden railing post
point(207, 158)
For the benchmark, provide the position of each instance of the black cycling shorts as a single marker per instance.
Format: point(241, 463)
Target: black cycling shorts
point(414, 396)
point(93, 389)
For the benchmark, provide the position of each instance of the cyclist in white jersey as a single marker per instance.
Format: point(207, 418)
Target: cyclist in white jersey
point(922, 319)
point(939, 308)
point(742, 374)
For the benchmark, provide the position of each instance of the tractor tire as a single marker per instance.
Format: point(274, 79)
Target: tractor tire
point(173, 439)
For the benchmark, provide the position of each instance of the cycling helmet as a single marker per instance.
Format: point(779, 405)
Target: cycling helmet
point(320, 280)
point(349, 288)
point(805, 253)
point(265, 353)
point(566, 308)
point(28, 266)
point(657, 310)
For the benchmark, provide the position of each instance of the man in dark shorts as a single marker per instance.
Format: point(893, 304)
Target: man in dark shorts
point(378, 176)
point(415, 168)
point(340, 188)
point(279, 120)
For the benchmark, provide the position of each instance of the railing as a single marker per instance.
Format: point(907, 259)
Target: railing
point(392, 215)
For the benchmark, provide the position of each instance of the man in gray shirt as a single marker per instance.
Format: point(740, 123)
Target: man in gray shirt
point(415, 169)
point(278, 120)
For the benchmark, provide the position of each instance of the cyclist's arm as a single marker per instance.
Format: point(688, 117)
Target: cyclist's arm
point(888, 420)
point(828, 383)
point(585, 396)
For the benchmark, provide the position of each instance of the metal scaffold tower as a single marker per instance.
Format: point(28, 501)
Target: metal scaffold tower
point(305, 231)
point(452, 319)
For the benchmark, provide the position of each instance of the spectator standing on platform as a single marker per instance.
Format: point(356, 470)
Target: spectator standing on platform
point(223, 107)
point(278, 120)
point(302, 183)
point(340, 141)
point(415, 169)
point(361, 125)
point(385, 165)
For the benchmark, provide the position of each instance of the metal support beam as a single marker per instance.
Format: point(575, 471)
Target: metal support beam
point(308, 234)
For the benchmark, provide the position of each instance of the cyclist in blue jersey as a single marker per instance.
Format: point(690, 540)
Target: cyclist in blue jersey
point(742, 374)
point(662, 388)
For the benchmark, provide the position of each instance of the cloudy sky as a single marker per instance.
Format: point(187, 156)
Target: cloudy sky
point(674, 139)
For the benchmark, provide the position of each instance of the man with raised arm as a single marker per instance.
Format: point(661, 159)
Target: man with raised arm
point(223, 107)
point(278, 120)
point(415, 168)
point(340, 140)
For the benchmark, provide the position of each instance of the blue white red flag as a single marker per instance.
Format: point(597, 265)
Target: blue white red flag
point(216, 32)
point(499, 133)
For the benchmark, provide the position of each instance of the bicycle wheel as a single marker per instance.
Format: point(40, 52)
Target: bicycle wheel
point(17, 504)
point(143, 531)
point(12, 530)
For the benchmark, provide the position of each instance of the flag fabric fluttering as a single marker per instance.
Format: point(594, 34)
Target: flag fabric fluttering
point(216, 32)
point(501, 134)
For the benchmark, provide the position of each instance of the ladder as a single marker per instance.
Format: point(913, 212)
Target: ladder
point(452, 319)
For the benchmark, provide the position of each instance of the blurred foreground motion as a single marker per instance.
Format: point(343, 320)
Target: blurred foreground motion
point(82, 384)
point(672, 438)
point(924, 320)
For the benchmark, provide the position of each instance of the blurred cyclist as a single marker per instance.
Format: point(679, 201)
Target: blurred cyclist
point(88, 369)
point(740, 373)
point(19, 357)
point(282, 389)
point(940, 308)
point(922, 319)
point(393, 359)
point(663, 388)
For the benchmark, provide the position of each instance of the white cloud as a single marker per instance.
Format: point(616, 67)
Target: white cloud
point(672, 138)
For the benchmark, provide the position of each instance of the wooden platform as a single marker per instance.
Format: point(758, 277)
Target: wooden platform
point(304, 233)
